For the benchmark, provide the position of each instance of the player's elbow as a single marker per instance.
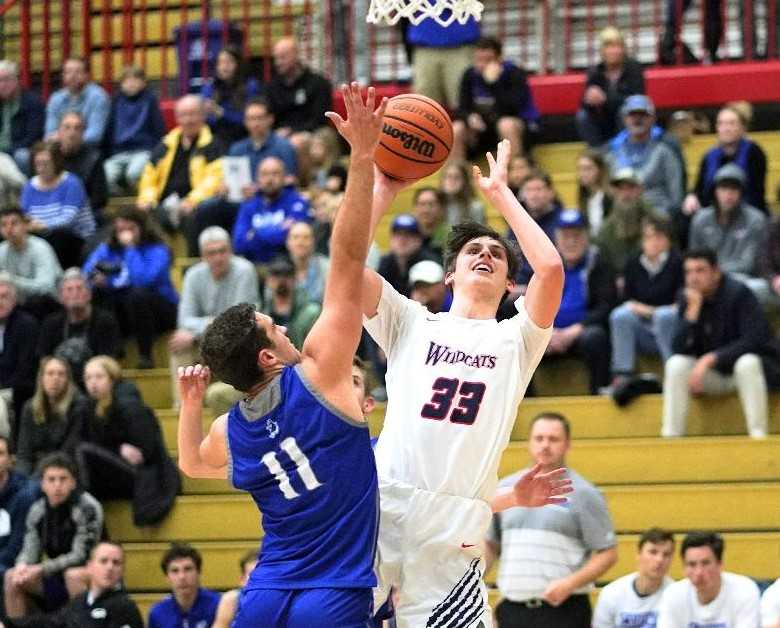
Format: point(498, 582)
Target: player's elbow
point(189, 468)
point(609, 558)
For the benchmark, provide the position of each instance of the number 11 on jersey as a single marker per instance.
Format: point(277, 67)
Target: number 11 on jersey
point(290, 447)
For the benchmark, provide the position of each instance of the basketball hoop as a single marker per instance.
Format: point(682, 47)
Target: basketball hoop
point(445, 12)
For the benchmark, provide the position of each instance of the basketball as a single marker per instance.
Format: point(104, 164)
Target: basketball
point(416, 137)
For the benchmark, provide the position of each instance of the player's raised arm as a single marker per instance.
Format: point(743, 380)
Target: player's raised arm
point(199, 456)
point(334, 338)
point(543, 296)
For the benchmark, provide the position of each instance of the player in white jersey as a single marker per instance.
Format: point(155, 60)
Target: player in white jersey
point(770, 606)
point(454, 382)
point(709, 597)
point(633, 600)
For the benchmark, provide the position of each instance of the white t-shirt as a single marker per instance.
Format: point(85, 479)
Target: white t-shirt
point(453, 387)
point(737, 605)
point(770, 606)
point(620, 606)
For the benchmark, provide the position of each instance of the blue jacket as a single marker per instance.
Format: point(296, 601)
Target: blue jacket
point(27, 124)
point(145, 266)
point(16, 497)
point(275, 146)
point(135, 122)
point(261, 227)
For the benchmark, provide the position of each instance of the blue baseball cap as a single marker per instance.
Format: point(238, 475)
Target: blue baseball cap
point(571, 219)
point(638, 102)
point(405, 222)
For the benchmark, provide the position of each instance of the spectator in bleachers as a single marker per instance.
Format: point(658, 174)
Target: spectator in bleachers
point(712, 23)
point(520, 166)
point(770, 606)
point(441, 56)
point(620, 234)
point(657, 165)
point(733, 147)
point(78, 93)
point(299, 96)
point(263, 141)
point(17, 493)
point(57, 204)
point(12, 180)
point(426, 279)
point(62, 527)
point(607, 85)
point(594, 198)
point(130, 274)
point(589, 294)
point(80, 330)
point(228, 603)
point(135, 127)
point(428, 207)
point(189, 604)
point(83, 160)
point(311, 268)
point(645, 321)
point(184, 172)
point(53, 419)
point(105, 604)
point(287, 306)
point(226, 95)
point(264, 220)
point(324, 152)
point(709, 595)
point(22, 116)
point(211, 286)
point(460, 201)
point(733, 228)
point(634, 599)
point(406, 249)
point(768, 259)
point(121, 454)
point(494, 103)
point(31, 263)
point(550, 556)
point(18, 335)
point(722, 342)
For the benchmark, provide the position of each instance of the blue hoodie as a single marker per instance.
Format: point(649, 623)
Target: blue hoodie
point(16, 497)
point(135, 122)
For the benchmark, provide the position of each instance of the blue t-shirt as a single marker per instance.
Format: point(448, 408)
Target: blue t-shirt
point(168, 614)
point(274, 146)
point(312, 474)
point(574, 301)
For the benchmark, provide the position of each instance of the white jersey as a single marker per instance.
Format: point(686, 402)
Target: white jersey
point(770, 606)
point(453, 386)
point(620, 606)
point(736, 606)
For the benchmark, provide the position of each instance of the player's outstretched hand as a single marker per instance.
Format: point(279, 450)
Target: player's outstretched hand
point(535, 489)
point(498, 169)
point(193, 381)
point(388, 186)
point(364, 120)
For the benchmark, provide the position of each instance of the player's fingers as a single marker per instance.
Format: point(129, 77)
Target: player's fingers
point(380, 110)
point(562, 490)
point(477, 172)
point(180, 372)
point(491, 161)
point(357, 100)
point(347, 96)
point(557, 500)
point(371, 98)
point(335, 118)
point(555, 473)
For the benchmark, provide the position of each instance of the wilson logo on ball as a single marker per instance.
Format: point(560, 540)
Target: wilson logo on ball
point(409, 141)
point(428, 115)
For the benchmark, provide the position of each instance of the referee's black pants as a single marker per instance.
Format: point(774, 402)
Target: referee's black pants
point(573, 613)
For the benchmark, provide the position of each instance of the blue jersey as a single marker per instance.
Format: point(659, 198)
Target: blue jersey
point(312, 474)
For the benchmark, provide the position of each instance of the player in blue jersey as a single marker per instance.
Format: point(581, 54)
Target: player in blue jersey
point(298, 442)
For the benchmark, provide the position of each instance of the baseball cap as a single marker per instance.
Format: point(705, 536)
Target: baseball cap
point(625, 175)
point(571, 219)
point(281, 267)
point(426, 271)
point(731, 173)
point(405, 222)
point(638, 102)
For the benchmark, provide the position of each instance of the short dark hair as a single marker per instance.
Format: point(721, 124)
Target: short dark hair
point(13, 210)
point(552, 416)
point(82, 60)
point(53, 148)
point(427, 188)
point(359, 364)
point(116, 544)
point(465, 232)
point(659, 224)
point(537, 174)
point(259, 101)
point(489, 43)
point(58, 460)
point(707, 254)
point(655, 536)
point(231, 344)
point(178, 551)
point(713, 540)
point(149, 233)
point(247, 558)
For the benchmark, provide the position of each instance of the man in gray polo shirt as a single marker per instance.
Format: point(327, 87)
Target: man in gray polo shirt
point(551, 556)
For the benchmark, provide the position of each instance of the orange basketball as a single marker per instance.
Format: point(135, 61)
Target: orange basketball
point(416, 137)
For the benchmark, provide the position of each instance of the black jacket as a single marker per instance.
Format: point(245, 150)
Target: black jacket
point(87, 163)
point(111, 609)
point(27, 124)
point(660, 289)
point(731, 324)
point(510, 95)
point(300, 105)
point(127, 420)
point(103, 335)
point(18, 363)
point(602, 290)
point(631, 81)
point(390, 269)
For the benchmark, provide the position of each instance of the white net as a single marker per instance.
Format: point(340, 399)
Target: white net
point(445, 12)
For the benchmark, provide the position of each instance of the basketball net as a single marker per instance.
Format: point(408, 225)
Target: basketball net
point(445, 12)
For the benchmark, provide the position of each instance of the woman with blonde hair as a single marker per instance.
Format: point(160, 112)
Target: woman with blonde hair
point(52, 419)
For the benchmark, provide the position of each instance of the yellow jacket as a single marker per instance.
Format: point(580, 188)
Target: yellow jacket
point(205, 168)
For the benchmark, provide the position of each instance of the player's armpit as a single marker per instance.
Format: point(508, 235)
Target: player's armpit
point(372, 292)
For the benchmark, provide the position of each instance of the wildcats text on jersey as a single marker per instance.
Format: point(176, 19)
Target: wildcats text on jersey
point(441, 353)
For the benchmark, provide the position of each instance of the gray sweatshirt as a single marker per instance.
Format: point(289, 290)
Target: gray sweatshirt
point(35, 269)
